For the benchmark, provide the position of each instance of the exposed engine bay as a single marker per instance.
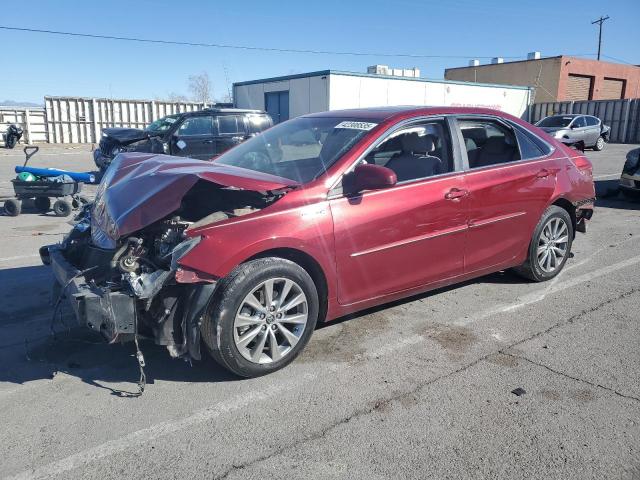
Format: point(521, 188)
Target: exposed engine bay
point(132, 288)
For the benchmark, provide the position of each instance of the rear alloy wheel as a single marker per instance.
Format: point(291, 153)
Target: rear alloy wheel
point(599, 144)
point(550, 246)
point(261, 316)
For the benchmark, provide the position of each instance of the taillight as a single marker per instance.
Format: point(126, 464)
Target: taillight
point(582, 163)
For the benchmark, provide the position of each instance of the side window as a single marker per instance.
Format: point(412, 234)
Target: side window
point(230, 124)
point(528, 149)
point(579, 123)
point(196, 126)
point(488, 142)
point(419, 151)
point(592, 121)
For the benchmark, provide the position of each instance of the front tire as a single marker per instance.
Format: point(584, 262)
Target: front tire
point(261, 316)
point(550, 246)
point(599, 144)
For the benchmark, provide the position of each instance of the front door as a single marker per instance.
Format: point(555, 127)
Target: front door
point(411, 234)
point(194, 138)
point(510, 181)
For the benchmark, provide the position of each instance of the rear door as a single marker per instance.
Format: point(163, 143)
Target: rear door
point(592, 131)
point(510, 179)
point(579, 130)
point(230, 131)
point(194, 138)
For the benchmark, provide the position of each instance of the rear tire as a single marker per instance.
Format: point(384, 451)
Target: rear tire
point(599, 144)
point(62, 208)
point(550, 246)
point(12, 207)
point(275, 341)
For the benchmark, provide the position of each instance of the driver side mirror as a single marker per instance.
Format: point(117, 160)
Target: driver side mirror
point(371, 177)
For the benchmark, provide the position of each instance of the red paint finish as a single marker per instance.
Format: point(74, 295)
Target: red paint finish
point(382, 245)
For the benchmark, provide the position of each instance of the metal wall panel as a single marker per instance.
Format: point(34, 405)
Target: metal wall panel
point(623, 116)
point(31, 120)
point(80, 120)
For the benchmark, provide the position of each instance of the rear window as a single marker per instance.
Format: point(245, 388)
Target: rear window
point(230, 125)
point(555, 121)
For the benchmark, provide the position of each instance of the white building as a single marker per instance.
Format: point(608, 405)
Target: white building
point(293, 95)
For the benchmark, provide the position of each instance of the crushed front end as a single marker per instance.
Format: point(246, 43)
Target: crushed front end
point(119, 265)
point(132, 288)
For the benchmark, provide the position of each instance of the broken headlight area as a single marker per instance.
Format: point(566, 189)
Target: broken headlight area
point(136, 285)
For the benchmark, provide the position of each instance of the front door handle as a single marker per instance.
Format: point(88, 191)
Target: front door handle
point(544, 173)
point(455, 193)
point(207, 141)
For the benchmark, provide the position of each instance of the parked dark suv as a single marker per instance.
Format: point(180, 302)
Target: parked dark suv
point(202, 134)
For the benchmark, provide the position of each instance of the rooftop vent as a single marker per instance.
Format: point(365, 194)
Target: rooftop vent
point(533, 56)
point(495, 60)
point(395, 72)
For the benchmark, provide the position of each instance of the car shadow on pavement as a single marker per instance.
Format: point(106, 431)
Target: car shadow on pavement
point(29, 351)
point(608, 195)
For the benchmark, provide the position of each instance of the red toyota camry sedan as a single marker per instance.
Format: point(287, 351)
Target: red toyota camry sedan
point(315, 218)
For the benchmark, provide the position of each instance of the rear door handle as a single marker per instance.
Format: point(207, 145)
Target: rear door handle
point(544, 173)
point(455, 193)
point(207, 141)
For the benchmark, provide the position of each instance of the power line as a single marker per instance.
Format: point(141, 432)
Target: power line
point(238, 47)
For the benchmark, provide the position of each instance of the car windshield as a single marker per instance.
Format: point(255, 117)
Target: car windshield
point(555, 121)
point(162, 124)
point(300, 149)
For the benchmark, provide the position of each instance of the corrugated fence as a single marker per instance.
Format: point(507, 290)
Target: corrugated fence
point(80, 120)
point(623, 116)
point(32, 121)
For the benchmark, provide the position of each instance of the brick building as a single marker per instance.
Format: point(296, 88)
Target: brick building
point(560, 78)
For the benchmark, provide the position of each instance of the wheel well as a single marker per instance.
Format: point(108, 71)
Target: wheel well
point(571, 210)
point(311, 266)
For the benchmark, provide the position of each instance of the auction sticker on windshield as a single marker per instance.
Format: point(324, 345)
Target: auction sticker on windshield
point(356, 125)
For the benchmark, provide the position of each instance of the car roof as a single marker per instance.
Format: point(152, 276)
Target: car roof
point(381, 114)
point(224, 111)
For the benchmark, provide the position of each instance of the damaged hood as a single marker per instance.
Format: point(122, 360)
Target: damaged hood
point(140, 189)
point(129, 135)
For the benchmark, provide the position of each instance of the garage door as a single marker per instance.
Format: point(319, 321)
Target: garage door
point(579, 87)
point(612, 88)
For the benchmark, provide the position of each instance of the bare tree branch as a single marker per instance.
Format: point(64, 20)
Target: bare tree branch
point(201, 88)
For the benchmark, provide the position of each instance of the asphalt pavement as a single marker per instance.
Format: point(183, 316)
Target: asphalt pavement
point(493, 378)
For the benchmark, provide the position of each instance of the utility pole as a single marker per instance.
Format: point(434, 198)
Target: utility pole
point(600, 21)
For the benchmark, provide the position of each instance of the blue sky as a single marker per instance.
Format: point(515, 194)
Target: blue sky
point(51, 65)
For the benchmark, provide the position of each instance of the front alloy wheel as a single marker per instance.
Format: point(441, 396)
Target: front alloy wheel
point(261, 316)
point(271, 320)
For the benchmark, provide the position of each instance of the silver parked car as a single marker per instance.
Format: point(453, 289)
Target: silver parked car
point(582, 130)
point(630, 178)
